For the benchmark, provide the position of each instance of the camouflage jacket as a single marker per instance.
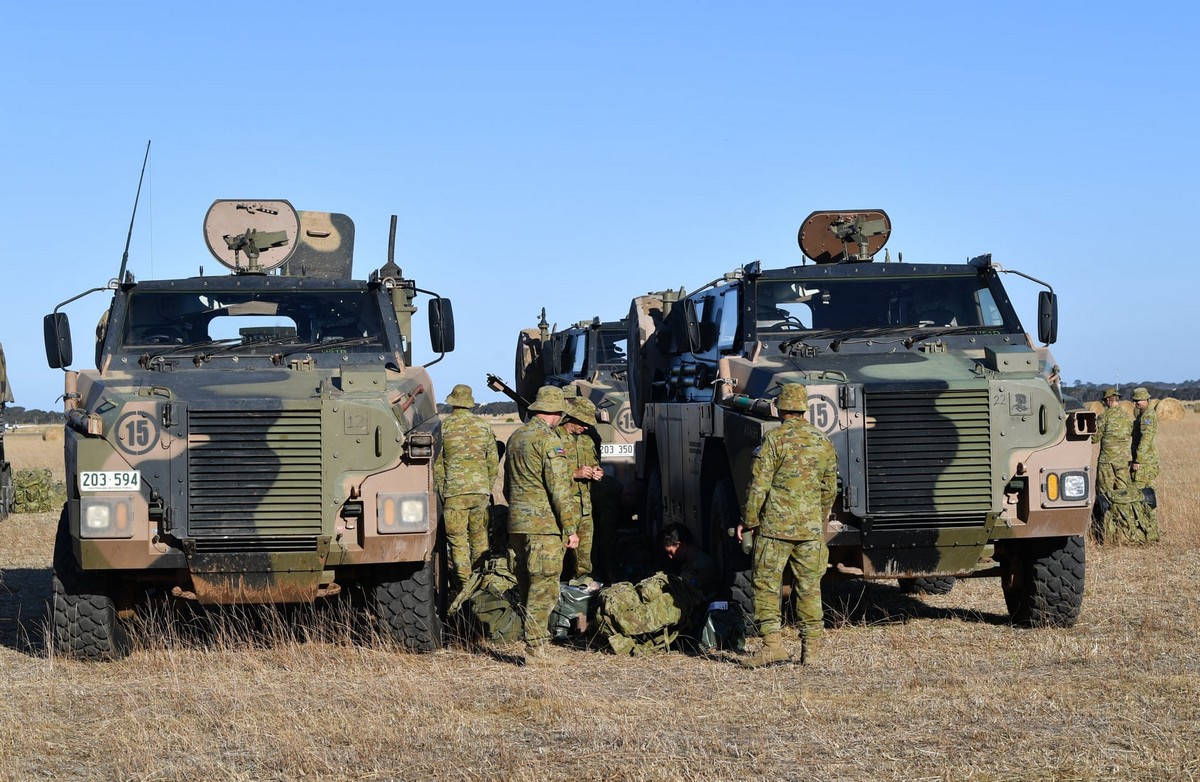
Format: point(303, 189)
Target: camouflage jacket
point(1145, 431)
point(1114, 432)
point(794, 483)
point(581, 451)
point(467, 463)
point(538, 483)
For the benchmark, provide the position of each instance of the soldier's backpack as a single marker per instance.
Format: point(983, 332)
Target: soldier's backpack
point(575, 611)
point(647, 617)
point(487, 604)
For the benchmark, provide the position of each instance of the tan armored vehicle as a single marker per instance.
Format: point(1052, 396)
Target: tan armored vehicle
point(956, 454)
point(260, 436)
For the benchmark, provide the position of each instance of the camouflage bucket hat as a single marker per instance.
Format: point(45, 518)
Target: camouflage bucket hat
point(582, 410)
point(549, 400)
point(1140, 393)
point(793, 398)
point(461, 396)
point(1111, 391)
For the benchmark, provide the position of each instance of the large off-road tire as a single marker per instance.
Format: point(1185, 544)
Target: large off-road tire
point(84, 617)
point(927, 585)
point(406, 604)
point(735, 566)
point(1043, 581)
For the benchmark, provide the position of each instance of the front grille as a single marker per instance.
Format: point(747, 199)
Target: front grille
point(254, 473)
point(929, 458)
point(257, 545)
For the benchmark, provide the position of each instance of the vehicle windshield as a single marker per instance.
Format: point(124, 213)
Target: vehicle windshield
point(248, 320)
point(610, 349)
point(788, 306)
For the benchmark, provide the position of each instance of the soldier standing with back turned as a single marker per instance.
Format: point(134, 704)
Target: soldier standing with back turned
point(542, 515)
point(791, 494)
point(463, 473)
point(1114, 432)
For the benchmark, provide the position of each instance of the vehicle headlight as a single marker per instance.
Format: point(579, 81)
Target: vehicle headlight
point(1070, 486)
point(107, 517)
point(396, 512)
point(1074, 486)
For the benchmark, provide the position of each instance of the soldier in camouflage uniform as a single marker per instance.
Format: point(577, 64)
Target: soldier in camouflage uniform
point(1114, 432)
point(463, 474)
point(576, 431)
point(792, 489)
point(543, 515)
point(1145, 466)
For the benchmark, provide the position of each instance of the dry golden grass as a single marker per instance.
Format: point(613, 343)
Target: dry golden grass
point(934, 689)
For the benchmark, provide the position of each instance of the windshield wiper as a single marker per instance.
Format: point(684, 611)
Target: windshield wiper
point(343, 342)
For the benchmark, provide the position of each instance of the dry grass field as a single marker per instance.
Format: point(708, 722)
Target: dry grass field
point(939, 688)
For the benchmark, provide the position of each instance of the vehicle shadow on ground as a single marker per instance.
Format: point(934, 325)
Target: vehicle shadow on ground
point(874, 603)
point(24, 596)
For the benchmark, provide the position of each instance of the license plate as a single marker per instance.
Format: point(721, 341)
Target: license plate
point(616, 449)
point(110, 480)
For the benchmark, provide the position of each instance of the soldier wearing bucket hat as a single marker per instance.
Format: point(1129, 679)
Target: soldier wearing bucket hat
point(1145, 465)
point(576, 428)
point(543, 516)
point(464, 472)
point(793, 486)
point(1114, 433)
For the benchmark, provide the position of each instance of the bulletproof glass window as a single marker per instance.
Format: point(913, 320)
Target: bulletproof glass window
point(610, 346)
point(270, 318)
point(787, 306)
point(574, 354)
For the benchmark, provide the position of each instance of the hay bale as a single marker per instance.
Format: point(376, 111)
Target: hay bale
point(1127, 408)
point(1095, 407)
point(53, 433)
point(1169, 409)
point(35, 491)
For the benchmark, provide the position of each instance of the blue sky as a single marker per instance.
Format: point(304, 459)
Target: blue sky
point(573, 155)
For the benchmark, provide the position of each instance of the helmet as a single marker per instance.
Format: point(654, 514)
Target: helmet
point(793, 398)
point(460, 396)
point(1140, 393)
point(549, 400)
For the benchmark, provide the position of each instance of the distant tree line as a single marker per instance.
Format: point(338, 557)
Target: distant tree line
point(491, 408)
point(15, 414)
point(1187, 391)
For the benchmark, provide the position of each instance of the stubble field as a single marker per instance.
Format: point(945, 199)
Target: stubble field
point(936, 688)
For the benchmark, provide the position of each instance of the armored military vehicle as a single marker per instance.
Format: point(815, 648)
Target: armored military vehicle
point(254, 437)
point(6, 476)
point(956, 454)
point(588, 357)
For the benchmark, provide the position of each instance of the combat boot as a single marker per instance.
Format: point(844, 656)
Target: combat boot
point(811, 650)
point(771, 653)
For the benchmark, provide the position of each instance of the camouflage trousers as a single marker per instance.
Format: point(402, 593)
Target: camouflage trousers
point(539, 562)
point(1112, 478)
point(465, 518)
point(579, 560)
point(1128, 519)
point(807, 560)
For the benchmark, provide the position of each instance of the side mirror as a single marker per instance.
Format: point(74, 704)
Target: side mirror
point(1047, 317)
point(441, 325)
point(56, 330)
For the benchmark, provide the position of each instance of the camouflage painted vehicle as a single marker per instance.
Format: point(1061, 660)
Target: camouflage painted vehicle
point(6, 475)
point(256, 437)
point(591, 357)
point(956, 454)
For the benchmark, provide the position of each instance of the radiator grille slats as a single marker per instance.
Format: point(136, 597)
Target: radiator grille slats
point(254, 472)
point(929, 458)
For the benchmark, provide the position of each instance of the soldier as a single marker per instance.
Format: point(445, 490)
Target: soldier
point(463, 474)
point(791, 494)
point(585, 470)
point(689, 561)
point(1145, 465)
point(1114, 432)
point(543, 515)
